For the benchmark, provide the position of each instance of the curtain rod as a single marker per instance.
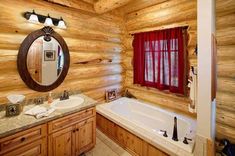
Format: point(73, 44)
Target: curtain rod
point(157, 28)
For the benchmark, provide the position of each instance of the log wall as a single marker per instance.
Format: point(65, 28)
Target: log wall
point(225, 33)
point(162, 15)
point(94, 42)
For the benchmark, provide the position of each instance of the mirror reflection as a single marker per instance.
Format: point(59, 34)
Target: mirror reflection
point(45, 61)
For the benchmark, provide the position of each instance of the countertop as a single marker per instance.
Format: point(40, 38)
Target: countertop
point(12, 125)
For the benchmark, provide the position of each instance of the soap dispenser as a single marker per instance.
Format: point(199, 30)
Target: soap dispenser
point(50, 99)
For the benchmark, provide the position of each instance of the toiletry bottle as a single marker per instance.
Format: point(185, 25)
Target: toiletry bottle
point(50, 100)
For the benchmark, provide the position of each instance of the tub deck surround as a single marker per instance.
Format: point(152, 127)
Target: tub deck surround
point(146, 121)
point(11, 125)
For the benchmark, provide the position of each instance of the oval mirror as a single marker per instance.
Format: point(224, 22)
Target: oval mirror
point(43, 60)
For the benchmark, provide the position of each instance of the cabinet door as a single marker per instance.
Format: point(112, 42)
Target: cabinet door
point(60, 143)
point(38, 148)
point(85, 135)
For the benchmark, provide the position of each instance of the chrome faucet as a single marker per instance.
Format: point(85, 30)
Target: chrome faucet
point(175, 132)
point(65, 95)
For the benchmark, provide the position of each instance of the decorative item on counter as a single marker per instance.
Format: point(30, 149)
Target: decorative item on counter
point(50, 99)
point(111, 95)
point(15, 107)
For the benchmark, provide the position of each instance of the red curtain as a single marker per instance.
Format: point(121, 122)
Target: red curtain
point(159, 59)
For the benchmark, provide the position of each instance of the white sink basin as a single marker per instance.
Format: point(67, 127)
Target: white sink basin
point(66, 104)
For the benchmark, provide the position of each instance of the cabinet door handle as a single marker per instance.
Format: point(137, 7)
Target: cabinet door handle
point(77, 129)
point(74, 130)
point(22, 139)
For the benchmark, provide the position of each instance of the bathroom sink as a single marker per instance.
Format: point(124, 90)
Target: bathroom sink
point(66, 104)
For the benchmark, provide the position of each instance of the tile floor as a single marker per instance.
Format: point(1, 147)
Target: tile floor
point(106, 147)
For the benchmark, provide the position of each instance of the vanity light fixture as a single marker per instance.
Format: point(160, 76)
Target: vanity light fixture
point(46, 20)
point(61, 24)
point(33, 18)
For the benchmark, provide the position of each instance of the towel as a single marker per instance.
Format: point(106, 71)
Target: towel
point(193, 92)
point(39, 112)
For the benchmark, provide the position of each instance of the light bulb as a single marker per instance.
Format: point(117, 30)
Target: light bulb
point(61, 24)
point(33, 18)
point(48, 21)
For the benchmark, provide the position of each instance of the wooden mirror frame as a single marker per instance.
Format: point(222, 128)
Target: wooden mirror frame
point(47, 32)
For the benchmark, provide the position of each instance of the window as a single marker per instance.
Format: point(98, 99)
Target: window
point(159, 59)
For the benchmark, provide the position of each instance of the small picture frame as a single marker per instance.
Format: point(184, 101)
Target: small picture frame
point(13, 109)
point(49, 55)
point(111, 95)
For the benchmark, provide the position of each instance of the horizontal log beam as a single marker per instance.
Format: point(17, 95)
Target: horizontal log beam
point(99, 93)
point(173, 104)
point(76, 84)
point(226, 84)
point(150, 20)
point(224, 7)
point(225, 117)
point(12, 42)
point(225, 68)
point(226, 51)
point(226, 101)
point(225, 36)
point(224, 131)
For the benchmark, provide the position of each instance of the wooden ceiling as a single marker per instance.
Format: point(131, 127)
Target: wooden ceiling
point(85, 5)
point(88, 5)
point(136, 5)
point(90, 1)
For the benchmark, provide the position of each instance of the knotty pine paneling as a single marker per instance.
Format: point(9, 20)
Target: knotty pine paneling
point(94, 41)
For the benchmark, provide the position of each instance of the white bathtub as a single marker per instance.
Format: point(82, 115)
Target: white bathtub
point(146, 121)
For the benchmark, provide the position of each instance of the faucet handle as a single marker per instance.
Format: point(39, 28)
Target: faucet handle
point(61, 97)
point(165, 133)
point(66, 94)
point(186, 140)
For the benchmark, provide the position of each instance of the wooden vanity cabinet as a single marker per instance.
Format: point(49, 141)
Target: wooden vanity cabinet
point(60, 143)
point(29, 142)
point(67, 136)
point(36, 148)
point(76, 138)
point(86, 135)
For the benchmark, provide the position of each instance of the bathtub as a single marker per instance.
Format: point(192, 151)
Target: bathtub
point(147, 121)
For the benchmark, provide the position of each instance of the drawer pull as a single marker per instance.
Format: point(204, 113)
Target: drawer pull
point(22, 139)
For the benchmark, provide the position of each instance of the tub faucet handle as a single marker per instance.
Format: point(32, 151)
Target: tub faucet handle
point(186, 140)
point(165, 133)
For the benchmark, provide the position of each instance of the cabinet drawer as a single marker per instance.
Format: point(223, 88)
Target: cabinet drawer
point(36, 148)
point(69, 120)
point(22, 138)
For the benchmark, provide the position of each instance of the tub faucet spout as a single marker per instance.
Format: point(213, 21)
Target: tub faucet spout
point(175, 132)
